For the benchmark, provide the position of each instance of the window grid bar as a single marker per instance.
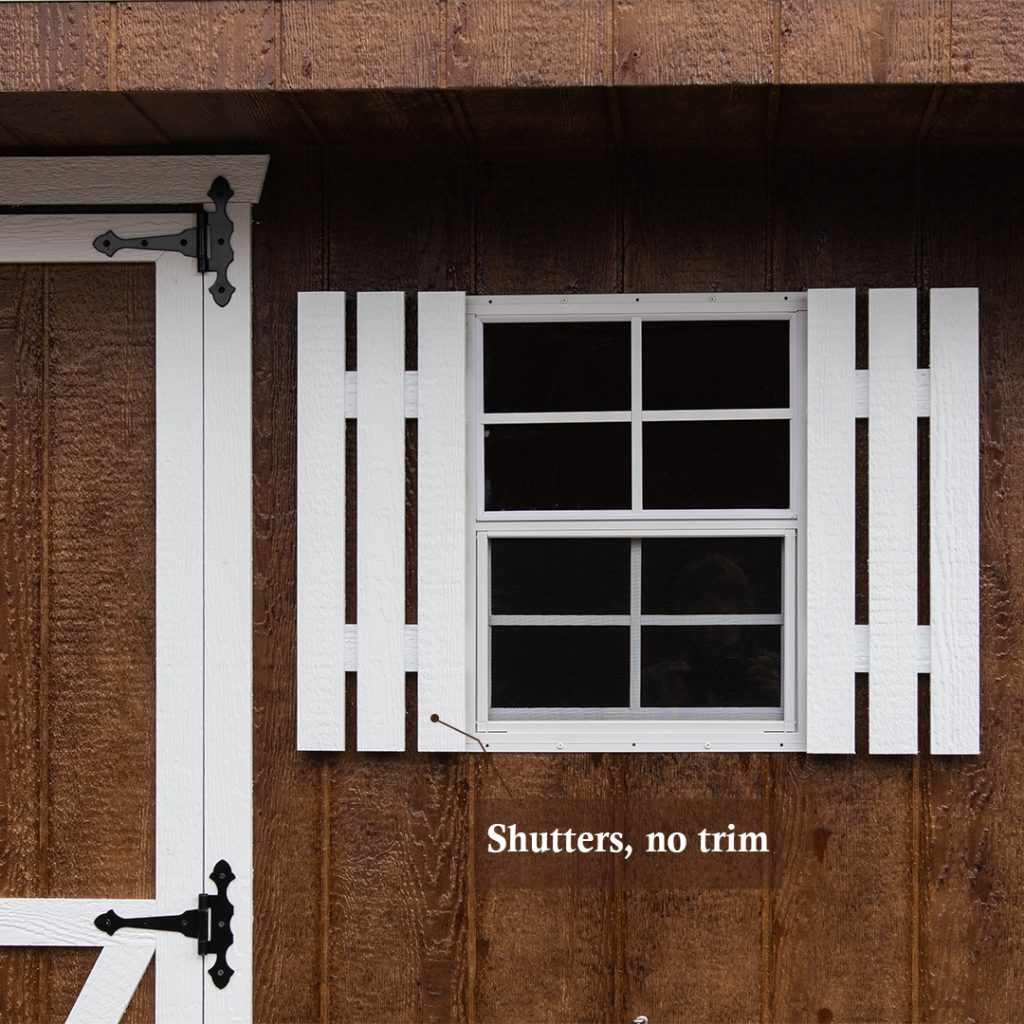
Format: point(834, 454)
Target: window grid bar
point(490, 419)
point(635, 547)
point(636, 412)
point(634, 618)
point(684, 415)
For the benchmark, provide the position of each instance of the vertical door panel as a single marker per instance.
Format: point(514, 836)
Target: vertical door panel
point(77, 585)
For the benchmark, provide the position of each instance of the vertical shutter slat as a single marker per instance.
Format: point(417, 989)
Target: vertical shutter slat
point(320, 522)
point(441, 519)
point(953, 455)
point(380, 520)
point(892, 520)
point(831, 396)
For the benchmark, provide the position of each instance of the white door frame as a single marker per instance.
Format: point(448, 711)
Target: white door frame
point(203, 574)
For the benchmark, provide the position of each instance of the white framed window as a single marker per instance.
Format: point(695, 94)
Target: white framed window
point(636, 489)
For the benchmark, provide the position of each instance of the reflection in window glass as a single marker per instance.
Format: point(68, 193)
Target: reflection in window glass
point(711, 666)
point(711, 576)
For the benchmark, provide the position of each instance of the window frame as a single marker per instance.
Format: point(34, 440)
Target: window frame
point(536, 733)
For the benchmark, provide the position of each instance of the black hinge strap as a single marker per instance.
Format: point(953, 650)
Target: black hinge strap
point(208, 243)
point(210, 925)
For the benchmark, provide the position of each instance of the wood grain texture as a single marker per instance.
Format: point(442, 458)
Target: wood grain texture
point(987, 40)
point(549, 223)
point(75, 120)
point(78, 399)
point(973, 822)
point(511, 43)
point(863, 41)
point(52, 46)
point(835, 816)
point(195, 44)
point(680, 42)
point(546, 940)
point(359, 44)
point(287, 822)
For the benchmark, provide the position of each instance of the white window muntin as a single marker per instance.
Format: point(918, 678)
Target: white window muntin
point(636, 310)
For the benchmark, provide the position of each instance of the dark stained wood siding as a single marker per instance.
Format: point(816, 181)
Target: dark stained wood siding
point(891, 892)
point(77, 640)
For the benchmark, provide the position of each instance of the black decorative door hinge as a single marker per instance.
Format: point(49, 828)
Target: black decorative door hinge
point(209, 242)
point(210, 924)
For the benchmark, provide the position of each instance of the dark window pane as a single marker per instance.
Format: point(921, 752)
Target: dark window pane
point(559, 666)
point(711, 666)
point(711, 576)
point(716, 464)
point(716, 364)
point(557, 466)
point(551, 577)
point(557, 367)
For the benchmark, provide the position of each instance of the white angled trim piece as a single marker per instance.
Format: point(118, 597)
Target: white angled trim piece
point(227, 538)
point(892, 520)
point(862, 644)
point(127, 180)
point(831, 496)
point(69, 922)
point(380, 520)
point(924, 393)
point(953, 457)
point(179, 615)
point(411, 394)
point(320, 525)
point(441, 519)
point(111, 984)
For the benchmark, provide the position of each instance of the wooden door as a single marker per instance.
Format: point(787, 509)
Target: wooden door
point(110, 558)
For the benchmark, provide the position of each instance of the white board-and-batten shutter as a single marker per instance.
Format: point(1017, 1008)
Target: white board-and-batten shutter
point(381, 647)
point(893, 394)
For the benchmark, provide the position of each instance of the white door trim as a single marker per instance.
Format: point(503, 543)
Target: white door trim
point(203, 571)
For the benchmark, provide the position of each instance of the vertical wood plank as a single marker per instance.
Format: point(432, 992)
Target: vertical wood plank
point(954, 555)
point(831, 507)
point(227, 540)
point(22, 767)
point(290, 802)
point(892, 530)
point(320, 525)
point(973, 827)
point(179, 624)
point(441, 519)
point(380, 520)
point(840, 911)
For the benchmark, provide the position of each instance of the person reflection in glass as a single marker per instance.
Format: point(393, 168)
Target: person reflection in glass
point(703, 665)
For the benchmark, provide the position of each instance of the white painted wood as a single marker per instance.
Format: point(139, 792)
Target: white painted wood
point(179, 620)
point(954, 554)
point(67, 238)
point(380, 522)
point(127, 180)
point(892, 520)
point(924, 391)
point(411, 394)
point(410, 645)
point(227, 511)
point(69, 922)
point(320, 526)
point(831, 496)
point(753, 305)
point(862, 648)
point(441, 518)
point(111, 984)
